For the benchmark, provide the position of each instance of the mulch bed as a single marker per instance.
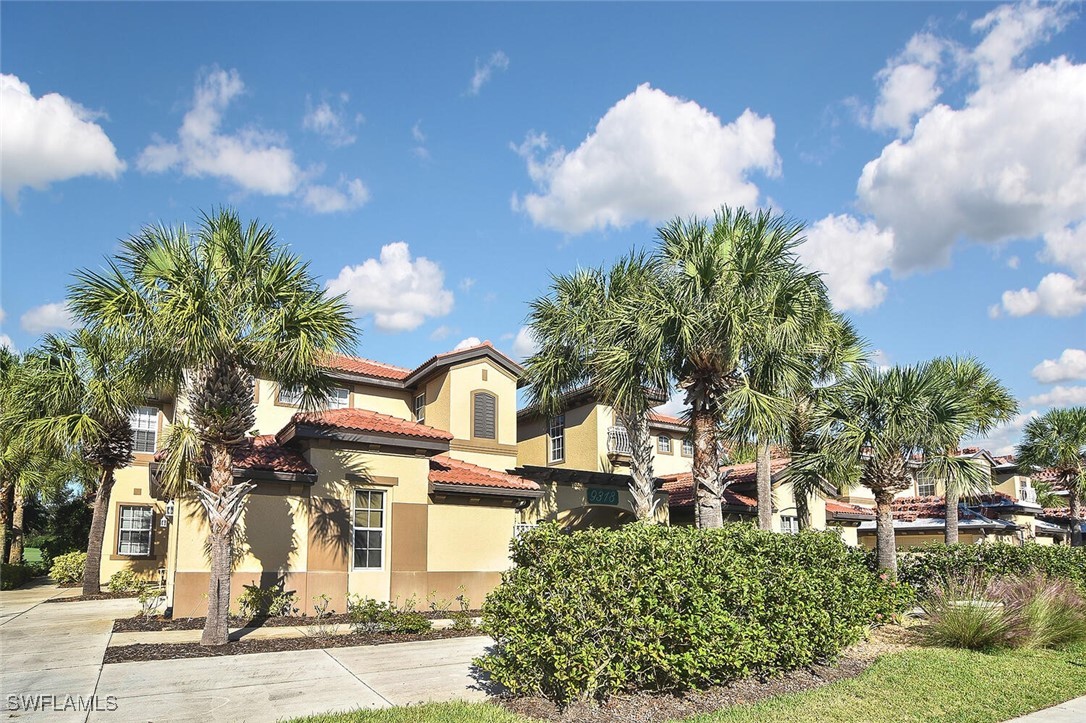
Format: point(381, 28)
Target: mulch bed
point(100, 596)
point(658, 707)
point(139, 624)
point(174, 651)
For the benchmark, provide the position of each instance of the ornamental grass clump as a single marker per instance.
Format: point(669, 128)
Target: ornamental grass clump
point(1042, 612)
point(965, 613)
point(671, 608)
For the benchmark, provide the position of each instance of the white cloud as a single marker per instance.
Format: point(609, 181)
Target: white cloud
point(524, 344)
point(441, 332)
point(1057, 295)
point(345, 196)
point(7, 343)
point(48, 317)
point(1012, 262)
point(908, 85)
point(467, 283)
point(849, 253)
point(331, 123)
point(1003, 438)
point(483, 71)
point(1060, 396)
point(419, 150)
point(1070, 366)
point(48, 139)
point(1010, 30)
point(399, 291)
point(467, 343)
point(3, 315)
point(651, 156)
point(253, 159)
point(675, 404)
point(880, 359)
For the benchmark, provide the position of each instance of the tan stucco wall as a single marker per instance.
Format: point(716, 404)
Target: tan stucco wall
point(272, 416)
point(586, 441)
point(132, 487)
point(559, 499)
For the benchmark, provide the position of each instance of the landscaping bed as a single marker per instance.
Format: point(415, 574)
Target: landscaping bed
point(174, 651)
point(100, 596)
point(140, 624)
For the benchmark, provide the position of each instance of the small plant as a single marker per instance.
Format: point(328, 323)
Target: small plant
point(261, 602)
point(125, 581)
point(150, 599)
point(439, 606)
point(68, 569)
point(462, 618)
point(366, 614)
point(965, 613)
point(322, 614)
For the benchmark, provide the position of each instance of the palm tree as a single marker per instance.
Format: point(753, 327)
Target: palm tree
point(213, 308)
point(876, 426)
point(583, 327)
point(726, 288)
point(1057, 440)
point(77, 394)
point(990, 403)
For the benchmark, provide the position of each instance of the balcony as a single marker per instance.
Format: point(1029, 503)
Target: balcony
point(618, 442)
point(1027, 494)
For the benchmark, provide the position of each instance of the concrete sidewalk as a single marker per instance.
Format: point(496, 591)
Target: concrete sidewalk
point(57, 650)
point(1073, 711)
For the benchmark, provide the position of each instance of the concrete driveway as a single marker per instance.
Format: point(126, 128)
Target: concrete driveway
point(57, 650)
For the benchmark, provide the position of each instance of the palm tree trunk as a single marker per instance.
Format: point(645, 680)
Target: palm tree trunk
point(950, 534)
point(92, 572)
point(220, 517)
point(803, 508)
point(706, 470)
point(7, 501)
point(765, 488)
point(886, 545)
point(641, 479)
point(1076, 517)
point(15, 555)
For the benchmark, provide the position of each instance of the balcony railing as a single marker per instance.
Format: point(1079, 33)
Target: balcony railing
point(1027, 494)
point(618, 441)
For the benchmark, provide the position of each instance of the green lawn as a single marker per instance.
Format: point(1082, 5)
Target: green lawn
point(931, 684)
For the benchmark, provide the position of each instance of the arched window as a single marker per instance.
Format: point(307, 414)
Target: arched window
point(485, 416)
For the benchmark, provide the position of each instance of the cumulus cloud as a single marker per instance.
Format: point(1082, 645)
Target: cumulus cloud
point(400, 292)
point(1010, 30)
point(880, 359)
point(483, 71)
point(347, 195)
point(650, 157)
point(675, 404)
point(48, 139)
point(908, 85)
point(1070, 366)
point(524, 343)
point(1060, 396)
point(253, 159)
point(468, 343)
point(48, 317)
point(332, 123)
point(849, 253)
point(1056, 295)
point(1004, 437)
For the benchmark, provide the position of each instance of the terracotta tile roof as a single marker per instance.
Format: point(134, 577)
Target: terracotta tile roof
point(843, 508)
point(680, 487)
point(1056, 513)
point(262, 453)
point(366, 367)
point(666, 419)
point(908, 509)
point(446, 470)
point(363, 420)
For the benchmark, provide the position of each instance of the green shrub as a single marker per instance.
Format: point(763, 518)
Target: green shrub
point(261, 602)
point(371, 616)
point(13, 576)
point(672, 608)
point(126, 581)
point(937, 564)
point(68, 569)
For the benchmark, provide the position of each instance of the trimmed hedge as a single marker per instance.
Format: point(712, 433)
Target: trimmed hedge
point(672, 608)
point(68, 569)
point(13, 576)
point(937, 564)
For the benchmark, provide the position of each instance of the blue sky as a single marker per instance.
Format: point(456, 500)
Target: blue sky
point(438, 162)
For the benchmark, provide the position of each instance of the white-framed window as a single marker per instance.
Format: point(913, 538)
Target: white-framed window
point(663, 444)
point(290, 395)
point(134, 533)
point(485, 421)
point(925, 486)
point(688, 448)
point(790, 524)
point(420, 408)
point(144, 421)
point(556, 439)
point(369, 530)
point(339, 398)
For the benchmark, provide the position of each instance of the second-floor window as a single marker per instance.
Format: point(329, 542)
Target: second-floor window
point(290, 395)
point(688, 448)
point(556, 439)
point(790, 524)
point(484, 423)
point(663, 444)
point(925, 486)
point(144, 421)
point(420, 408)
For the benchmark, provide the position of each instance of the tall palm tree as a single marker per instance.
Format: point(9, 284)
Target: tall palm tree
point(77, 394)
point(877, 425)
point(1057, 440)
point(583, 327)
point(725, 288)
point(214, 308)
point(990, 403)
